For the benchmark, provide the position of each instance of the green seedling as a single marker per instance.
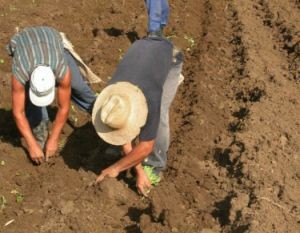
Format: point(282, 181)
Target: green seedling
point(19, 196)
point(3, 202)
point(190, 41)
point(121, 54)
point(12, 7)
point(154, 179)
point(2, 162)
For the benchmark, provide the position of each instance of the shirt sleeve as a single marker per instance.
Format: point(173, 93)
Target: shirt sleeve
point(61, 66)
point(149, 131)
point(19, 72)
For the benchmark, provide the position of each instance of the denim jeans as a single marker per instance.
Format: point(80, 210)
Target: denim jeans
point(158, 157)
point(81, 95)
point(158, 14)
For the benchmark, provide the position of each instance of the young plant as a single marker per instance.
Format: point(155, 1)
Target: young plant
point(19, 196)
point(3, 202)
point(120, 53)
point(190, 41)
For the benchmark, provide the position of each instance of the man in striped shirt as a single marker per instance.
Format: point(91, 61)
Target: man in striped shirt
point(40, 63)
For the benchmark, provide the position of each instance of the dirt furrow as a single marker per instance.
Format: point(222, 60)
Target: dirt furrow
point(261, 67)
point(234, 162)
point(286, 33)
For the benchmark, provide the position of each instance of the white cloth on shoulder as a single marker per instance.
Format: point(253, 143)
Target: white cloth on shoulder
point(85, 71)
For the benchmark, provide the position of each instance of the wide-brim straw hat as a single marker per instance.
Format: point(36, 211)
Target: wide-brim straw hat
point(119, 112)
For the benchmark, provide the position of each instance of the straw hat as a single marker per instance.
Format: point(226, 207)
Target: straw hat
point(119, 113)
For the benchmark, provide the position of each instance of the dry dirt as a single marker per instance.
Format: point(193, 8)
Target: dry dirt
point(234, 161)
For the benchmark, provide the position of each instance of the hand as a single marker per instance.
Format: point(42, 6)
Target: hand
point(110, 172)
point(51, 148)
point(36, 153)
point(143, 183)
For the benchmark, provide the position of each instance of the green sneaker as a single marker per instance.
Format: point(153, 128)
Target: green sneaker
point(153, 177)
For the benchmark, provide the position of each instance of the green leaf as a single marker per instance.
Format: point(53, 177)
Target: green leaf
point(19, 197)
point(3, 202)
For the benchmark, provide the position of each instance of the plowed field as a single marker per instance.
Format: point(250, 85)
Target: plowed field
point(234, 160)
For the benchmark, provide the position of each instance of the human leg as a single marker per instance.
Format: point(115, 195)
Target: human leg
point(154, 8)
point(164, 13)
point(81, 93)
point(38, 120)
point(158, 157)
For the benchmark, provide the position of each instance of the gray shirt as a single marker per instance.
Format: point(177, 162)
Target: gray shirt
point(146, 65)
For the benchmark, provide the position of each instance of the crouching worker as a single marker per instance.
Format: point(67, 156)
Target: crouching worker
point(40, 64)
point(134, 107)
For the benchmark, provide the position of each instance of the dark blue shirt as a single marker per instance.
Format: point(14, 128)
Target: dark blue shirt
point(146, 65)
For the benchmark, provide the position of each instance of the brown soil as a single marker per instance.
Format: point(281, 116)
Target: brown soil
point(234, 162)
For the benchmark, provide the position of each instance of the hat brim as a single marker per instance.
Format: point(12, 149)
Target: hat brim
point(136, 119)
point(41, 101)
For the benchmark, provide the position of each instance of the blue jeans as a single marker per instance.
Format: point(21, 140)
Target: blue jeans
point(158, 157)
point(81, 95)
point(158, 14)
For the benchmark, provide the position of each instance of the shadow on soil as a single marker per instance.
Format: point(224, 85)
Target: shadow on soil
point(8, 130)
point(84, 149)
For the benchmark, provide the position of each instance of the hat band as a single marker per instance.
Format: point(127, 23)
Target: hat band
point(41, 93)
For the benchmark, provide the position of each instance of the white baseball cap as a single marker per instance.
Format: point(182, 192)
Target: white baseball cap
point(42, 86)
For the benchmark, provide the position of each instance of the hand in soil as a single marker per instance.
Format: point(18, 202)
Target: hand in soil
point(36, 153)
point(143, 183)
point(51, 148)
point(109, 172)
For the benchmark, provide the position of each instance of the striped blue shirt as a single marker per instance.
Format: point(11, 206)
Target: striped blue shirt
point(37, 46)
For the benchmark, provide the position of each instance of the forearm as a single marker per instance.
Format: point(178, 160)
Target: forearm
point(18, 107)
point(127, 149)
point(135, 157)
point(129, 161)
point(24, 128)
point(64, 96)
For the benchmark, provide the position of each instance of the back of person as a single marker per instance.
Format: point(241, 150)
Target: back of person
point(135, 104)
point(146, 65)
point(36, 46)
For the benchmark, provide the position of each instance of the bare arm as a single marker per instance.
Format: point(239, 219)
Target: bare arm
point(127, 148)
point(64, 98)
point(18, 106)
point(133, 158)
point(143, 183)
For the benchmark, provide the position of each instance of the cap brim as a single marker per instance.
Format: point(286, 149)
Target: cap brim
point(42, 101)
point(137, 119)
